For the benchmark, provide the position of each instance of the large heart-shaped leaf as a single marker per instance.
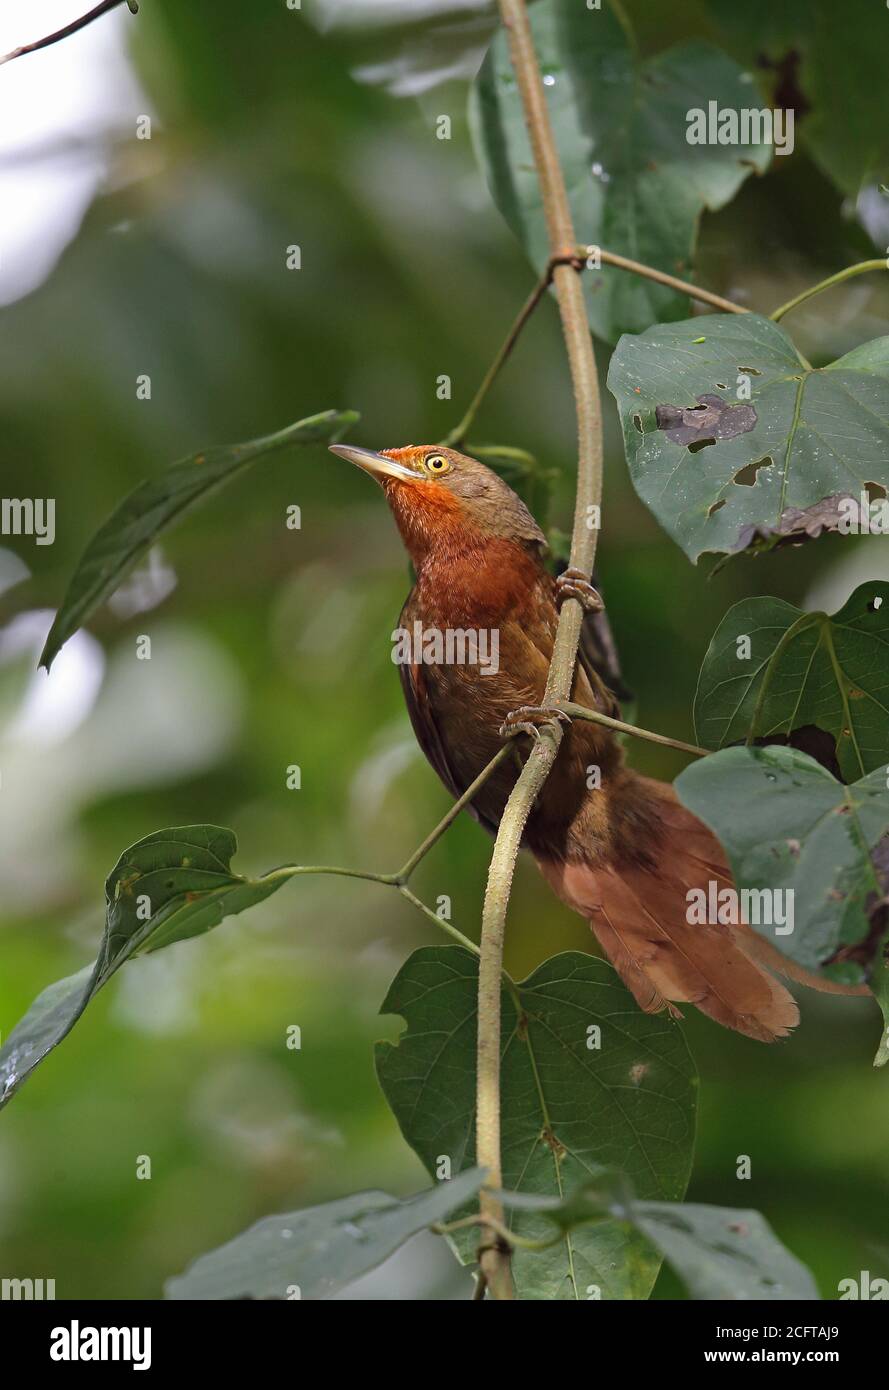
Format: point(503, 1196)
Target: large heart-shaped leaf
point(315, 1252)
point(718, 1252)
point(635, 183)
point(772, 669)
point(806, 846)
point(587, 1082)
point(170, 886)
point(729, 433)
point(155, 506)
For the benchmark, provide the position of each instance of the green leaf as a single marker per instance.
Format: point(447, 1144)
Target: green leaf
point(722, 1253)
point(788, 826)
point(772, 669)
point(319, 1250)
point(802, 437)
point(156, 506)
point(170, 886)
point(635, 184)
point(718, 1252)
point(840, 72)
point(569, 1108)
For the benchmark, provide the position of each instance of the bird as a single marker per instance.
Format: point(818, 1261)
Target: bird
point(616, 846)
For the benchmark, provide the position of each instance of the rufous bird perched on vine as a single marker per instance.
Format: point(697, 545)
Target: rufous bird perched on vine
point(623, 853)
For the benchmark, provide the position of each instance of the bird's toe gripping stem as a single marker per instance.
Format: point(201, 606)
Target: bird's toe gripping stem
point(530, 719)
point(572, 583)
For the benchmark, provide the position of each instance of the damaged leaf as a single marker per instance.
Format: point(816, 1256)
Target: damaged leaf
point(810, 851)
point(819, 435)
point(771, 670)
point(635, 183)
point(711, 419)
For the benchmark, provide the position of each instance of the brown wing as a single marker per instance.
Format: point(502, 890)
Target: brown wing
point(422, 717)
point(597, 654)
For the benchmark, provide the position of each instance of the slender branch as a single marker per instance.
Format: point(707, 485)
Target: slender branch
point(593, 715)
point(648, 272)
point(458, 434)
point(494, 1260)
point(69, 29)
point(471, 791)
point(860, 269)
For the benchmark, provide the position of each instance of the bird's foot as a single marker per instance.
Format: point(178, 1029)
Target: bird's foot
point(572, 583)
point(530, 719)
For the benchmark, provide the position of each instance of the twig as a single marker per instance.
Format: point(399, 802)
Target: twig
point(494, 1260)
point(404, 873)
point(69, 29)
point(457, 436)
point(648, 272)
point(860, 269)
point(593, 715)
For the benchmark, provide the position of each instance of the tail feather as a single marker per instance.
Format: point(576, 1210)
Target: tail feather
point(638, 914)
point(640, 922)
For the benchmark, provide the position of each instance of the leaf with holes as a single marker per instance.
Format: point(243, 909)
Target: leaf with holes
point(772, 670)
point(808, 851)
point(636, 184)
point(774, 435)
point(156, 506)
point(172, 885)
point(588, 1082)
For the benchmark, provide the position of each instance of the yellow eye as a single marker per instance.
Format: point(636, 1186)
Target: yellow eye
point(437, 463)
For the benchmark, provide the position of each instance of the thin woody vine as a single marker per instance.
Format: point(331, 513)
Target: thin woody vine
point(178, 883)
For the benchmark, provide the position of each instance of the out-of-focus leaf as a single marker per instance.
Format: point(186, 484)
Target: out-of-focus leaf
point(722, 1253)
point(588, 1082)
point(712, 465)
point(635, 184)
point(318, 1251)
point(172, 885)
point(834, 75)
point(773, 669)
point(788, 827)
point(718, 1252)
point(155, 506)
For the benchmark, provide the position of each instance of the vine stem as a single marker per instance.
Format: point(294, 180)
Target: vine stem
point(69, 29)
point(456, 437)
point(494, 1253)
point(618, 725)
point(648, 272)
point(861, 268)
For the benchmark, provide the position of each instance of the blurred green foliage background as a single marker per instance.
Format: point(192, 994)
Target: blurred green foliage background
point(273, 648)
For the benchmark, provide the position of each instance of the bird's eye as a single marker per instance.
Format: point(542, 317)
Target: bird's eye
point(437, 463)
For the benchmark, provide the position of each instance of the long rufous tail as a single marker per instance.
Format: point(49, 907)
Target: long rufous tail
point(639, 915)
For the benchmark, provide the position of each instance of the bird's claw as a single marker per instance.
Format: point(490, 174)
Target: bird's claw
point(572, 583)
point(529, 719)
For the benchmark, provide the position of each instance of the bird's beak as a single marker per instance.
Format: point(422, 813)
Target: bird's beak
point(377, 465)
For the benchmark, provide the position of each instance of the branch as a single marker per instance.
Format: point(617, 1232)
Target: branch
point(648, 272)
point(593, 715)
point(456, 438)
point(860, 269)
point(494, 1257)
point(72, 28)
